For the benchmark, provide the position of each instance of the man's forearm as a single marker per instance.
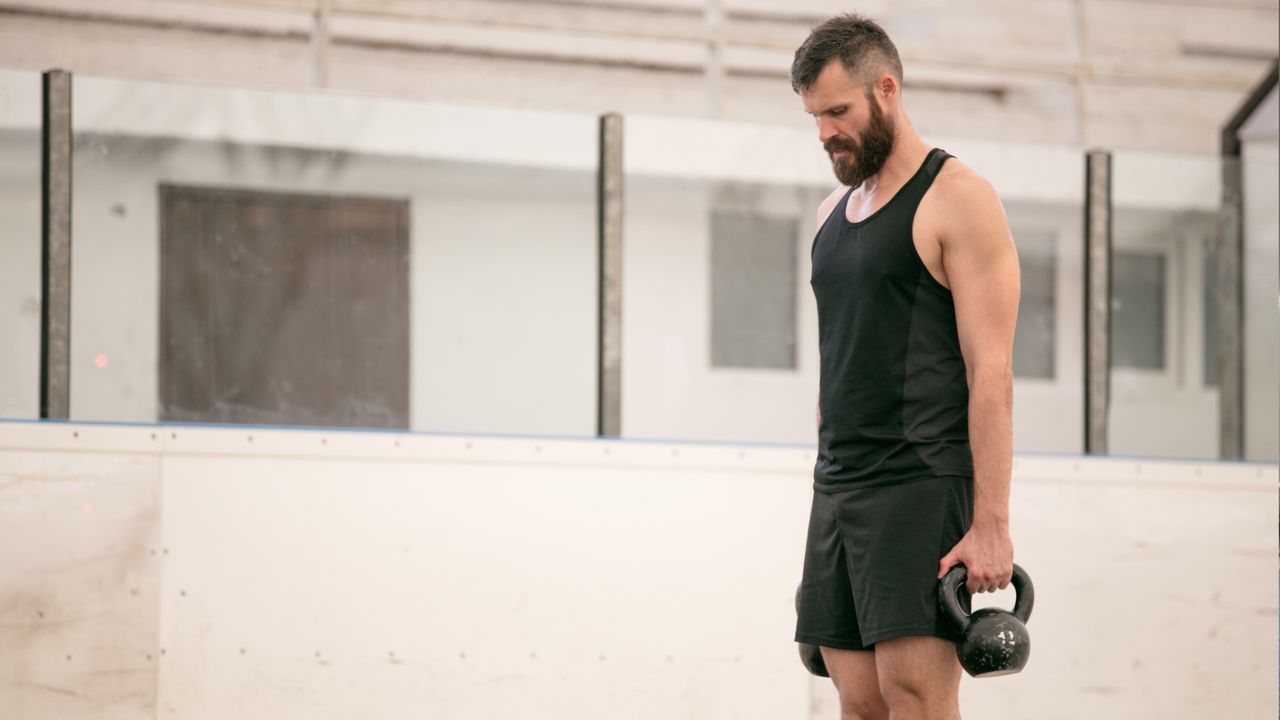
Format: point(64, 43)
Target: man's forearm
point(991, 438)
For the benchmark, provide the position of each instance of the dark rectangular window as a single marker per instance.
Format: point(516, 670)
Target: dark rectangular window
point(283, 309)
point(1137, 310)
point(753, 291)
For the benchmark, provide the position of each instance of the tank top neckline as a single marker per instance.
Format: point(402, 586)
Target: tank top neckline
point(844, 203)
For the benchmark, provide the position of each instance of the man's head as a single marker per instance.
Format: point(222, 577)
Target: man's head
point(849, 75)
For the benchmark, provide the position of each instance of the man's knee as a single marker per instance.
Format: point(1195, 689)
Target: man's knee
point(919, 677)
point(864, 704)
point(915, 697)
point(906, 692)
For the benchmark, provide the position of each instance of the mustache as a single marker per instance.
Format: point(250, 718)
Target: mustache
point(838, 144)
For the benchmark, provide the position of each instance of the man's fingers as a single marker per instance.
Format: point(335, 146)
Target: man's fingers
point(946, 563)
point(987, 580)
point(980, 581)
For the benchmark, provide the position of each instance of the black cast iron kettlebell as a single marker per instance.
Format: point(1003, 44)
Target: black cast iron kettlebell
point(993, 641)
point(811, 655)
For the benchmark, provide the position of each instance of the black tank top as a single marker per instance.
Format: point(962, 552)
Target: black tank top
point(893, 394)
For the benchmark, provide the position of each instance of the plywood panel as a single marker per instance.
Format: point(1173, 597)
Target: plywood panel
point(79, 584)
point(1156, 593)
point(479, 590)
point(332, 574)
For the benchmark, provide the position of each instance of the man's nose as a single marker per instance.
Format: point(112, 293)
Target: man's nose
point(826, 130)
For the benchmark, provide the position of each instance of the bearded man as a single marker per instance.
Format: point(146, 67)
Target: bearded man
point(916, 281)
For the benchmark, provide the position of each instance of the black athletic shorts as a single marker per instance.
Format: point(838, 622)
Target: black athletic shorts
point(871, 563)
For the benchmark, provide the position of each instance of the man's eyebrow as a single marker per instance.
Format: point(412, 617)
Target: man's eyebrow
point(829, 108)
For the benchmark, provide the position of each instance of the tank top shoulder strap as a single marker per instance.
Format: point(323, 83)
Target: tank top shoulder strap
point(838, 211)
point(933, 163)
point(920, 183)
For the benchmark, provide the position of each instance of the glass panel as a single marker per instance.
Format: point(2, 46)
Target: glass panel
point(311, 259)
point(1048, 346)
point(696, 189)
point(719, 328)
point(20, 241)
point(1165, 226)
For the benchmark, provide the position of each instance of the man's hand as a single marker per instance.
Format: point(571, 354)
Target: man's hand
point(987, 554)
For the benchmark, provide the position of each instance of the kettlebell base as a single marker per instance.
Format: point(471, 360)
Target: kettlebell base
point(995, 673)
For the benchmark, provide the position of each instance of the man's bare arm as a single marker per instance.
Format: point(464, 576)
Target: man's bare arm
point(981, 266)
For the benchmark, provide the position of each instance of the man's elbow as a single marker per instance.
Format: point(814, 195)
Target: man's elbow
point(992, 372)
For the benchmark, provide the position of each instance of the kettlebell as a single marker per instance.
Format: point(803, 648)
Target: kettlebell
point(993, 642)
point(811, 655)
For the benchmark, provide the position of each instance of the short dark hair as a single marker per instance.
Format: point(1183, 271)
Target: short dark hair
point(859, 43)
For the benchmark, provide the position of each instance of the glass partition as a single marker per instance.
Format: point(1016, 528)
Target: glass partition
point(277, 258)
point(1261, 224)
point(1164, 401)
point(1042, 190)
point(719, 322)
point(20, 117)
point(719, 330)
point(283, 258)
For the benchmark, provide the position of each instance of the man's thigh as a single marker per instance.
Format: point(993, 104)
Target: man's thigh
point(919, 670)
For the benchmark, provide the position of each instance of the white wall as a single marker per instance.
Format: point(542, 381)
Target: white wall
point(211, 573)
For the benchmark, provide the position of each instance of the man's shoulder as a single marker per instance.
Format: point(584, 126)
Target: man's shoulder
point(960, 204)
point(959, 184)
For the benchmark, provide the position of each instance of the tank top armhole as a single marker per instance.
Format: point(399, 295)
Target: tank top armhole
point(839, 208)
point(937, 157)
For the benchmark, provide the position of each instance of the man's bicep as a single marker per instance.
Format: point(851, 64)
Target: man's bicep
point(982, 267)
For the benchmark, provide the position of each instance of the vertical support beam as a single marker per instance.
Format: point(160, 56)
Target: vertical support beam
point(713, 18)
point(609, 209)
point(1097, 300)
point(1228, 292)
point(55, 255)
point(320, 41)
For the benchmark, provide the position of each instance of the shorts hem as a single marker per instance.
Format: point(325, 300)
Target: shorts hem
point(908, 631)
point(829, 643)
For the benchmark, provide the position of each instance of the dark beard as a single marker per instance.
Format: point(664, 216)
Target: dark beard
point(865, 159)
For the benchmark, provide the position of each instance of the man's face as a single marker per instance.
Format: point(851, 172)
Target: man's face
point(854, 130)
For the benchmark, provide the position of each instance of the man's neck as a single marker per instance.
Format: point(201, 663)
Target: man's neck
point(908, 154)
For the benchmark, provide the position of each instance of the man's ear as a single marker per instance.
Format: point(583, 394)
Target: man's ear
point(887, 86)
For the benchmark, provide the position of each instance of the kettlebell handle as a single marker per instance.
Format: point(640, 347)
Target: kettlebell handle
point(954, 580)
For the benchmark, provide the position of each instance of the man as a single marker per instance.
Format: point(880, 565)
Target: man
point(916, 281)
